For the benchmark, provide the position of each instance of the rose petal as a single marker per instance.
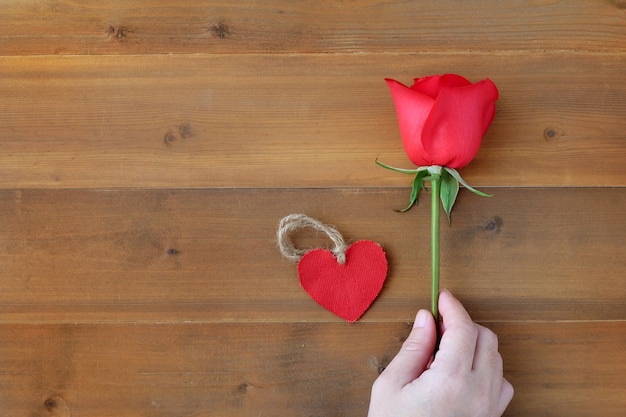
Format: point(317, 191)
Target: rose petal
point(453, 131)
point(412, 108)
point(490, 113)
point(433, 84)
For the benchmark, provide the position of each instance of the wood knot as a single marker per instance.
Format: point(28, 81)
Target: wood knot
point(379, 365)
point(172, 136)
point(494, 225)
point(244, 387)
point(220, 30)
point(56, 406)
point(50, 404)
point(169, 139)
point(121, 33)
point(185, 130)
point(551, 134)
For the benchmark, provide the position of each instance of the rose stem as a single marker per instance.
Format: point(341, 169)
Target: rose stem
point(434, 243)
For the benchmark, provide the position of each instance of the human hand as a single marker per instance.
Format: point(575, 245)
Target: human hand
point(463, 380)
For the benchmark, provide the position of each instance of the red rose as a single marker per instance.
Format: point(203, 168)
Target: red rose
point(443, 118)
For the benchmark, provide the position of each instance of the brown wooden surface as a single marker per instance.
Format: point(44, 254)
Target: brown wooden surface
point(195, 26)
point(211, 255)
point(149, 149)
point(305, 120)
point(295, 369)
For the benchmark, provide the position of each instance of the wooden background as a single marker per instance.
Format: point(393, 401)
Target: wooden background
point(149, 149)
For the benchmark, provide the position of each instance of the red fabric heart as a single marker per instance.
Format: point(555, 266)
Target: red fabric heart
point(349, 289)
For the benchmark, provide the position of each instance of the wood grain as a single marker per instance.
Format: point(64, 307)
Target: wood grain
point(149, 149)
point(194, 26)
point(295, 121)
point(211, 255)
point(304, 369)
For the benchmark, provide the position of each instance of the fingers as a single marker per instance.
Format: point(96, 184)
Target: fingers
point(460, 333)
point(468, 363)
point(506, 395)
point(415, 353)
point(487, 369)
point(467, 346)
point(486, 355)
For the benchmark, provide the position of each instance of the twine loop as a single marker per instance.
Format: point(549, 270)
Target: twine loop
point(293, 222)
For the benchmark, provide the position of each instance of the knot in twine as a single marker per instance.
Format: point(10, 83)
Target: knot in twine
point(294, 222)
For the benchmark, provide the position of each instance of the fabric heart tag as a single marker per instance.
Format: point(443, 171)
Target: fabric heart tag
point(345, 289)
point(345, 281)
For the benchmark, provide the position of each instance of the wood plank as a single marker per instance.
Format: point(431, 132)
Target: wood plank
point(295, 121)
point(194, 26)
point(297, 369)
point(211, 255)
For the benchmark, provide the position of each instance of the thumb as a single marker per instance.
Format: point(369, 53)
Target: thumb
point(415, 353)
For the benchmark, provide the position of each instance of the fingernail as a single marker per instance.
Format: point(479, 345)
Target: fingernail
point(421, 318)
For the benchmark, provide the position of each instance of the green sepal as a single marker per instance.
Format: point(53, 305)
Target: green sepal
point(457, 176)
point(450, 180)
point(418, 185)
point(448, 192)
point(401, 170)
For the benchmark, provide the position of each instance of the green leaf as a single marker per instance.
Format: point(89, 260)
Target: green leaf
point(457, 176)
point(449, 191)
point(418, 185)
